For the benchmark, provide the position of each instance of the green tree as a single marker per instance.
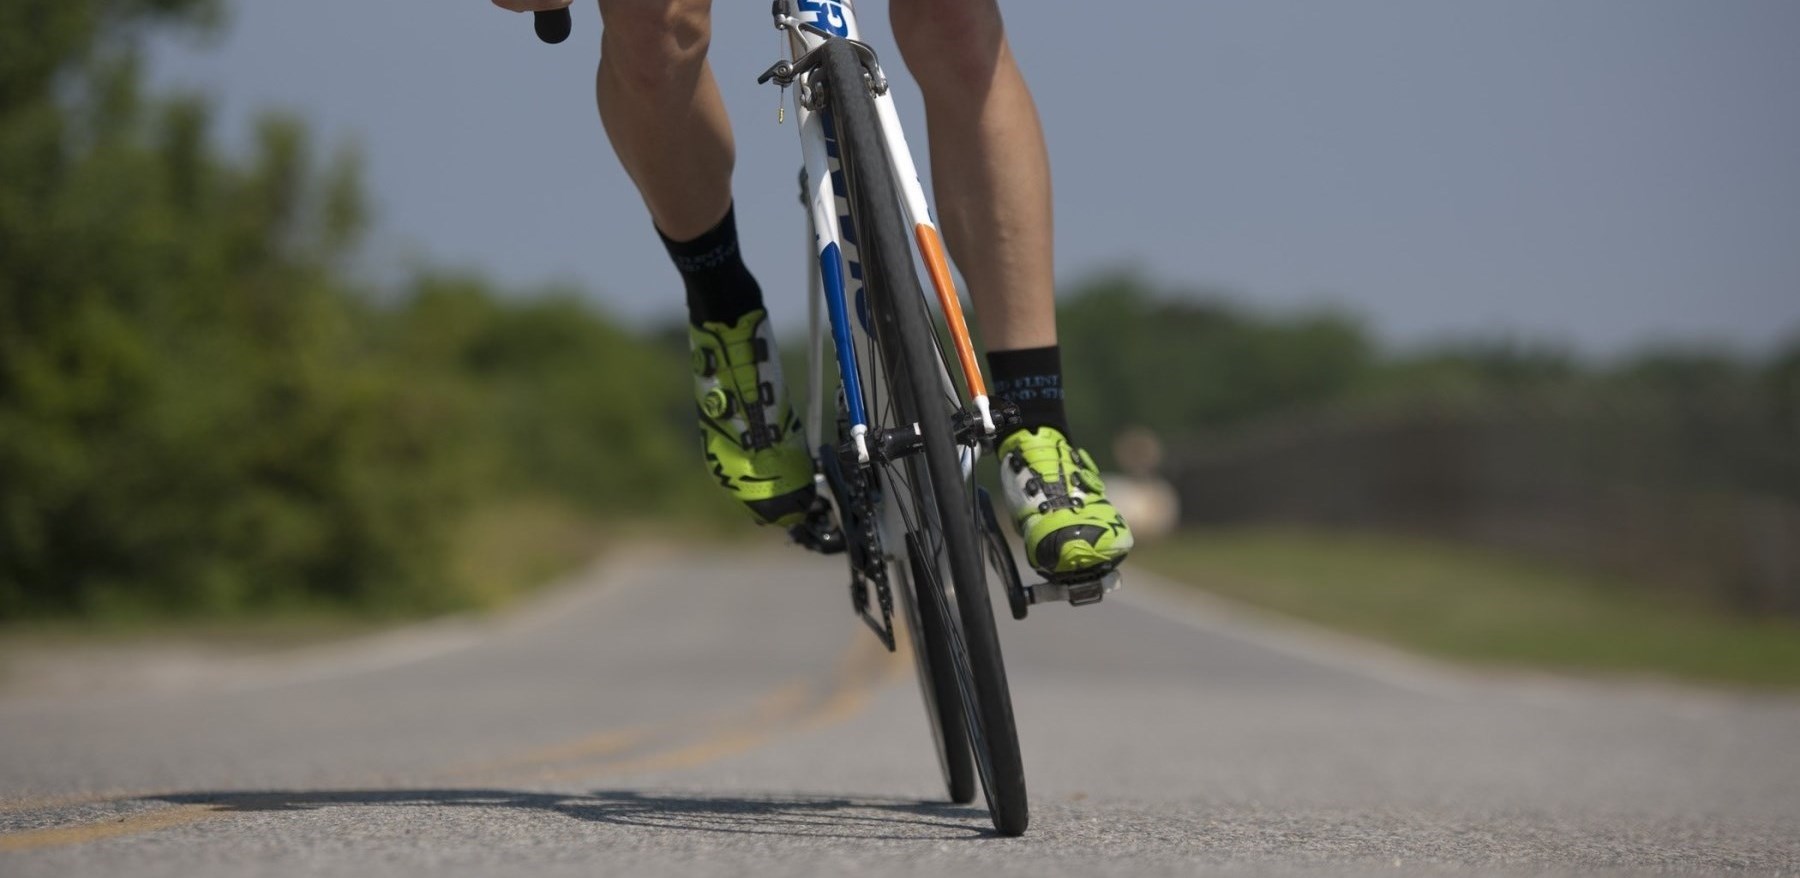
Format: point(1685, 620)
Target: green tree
point(189, 414)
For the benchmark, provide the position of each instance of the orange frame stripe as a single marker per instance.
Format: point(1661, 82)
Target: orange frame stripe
point(931, 247)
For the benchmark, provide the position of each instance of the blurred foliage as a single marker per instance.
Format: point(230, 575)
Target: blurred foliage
point(1180, 363)
point(200, 412)
point(1187, 363)
point(1676, 466)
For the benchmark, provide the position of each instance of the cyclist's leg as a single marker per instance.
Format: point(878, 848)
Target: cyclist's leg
point(990, 170)
point(667, 123)
point(662, 110)
point(991, 175)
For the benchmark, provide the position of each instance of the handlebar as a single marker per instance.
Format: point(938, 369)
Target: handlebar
point(552, 25)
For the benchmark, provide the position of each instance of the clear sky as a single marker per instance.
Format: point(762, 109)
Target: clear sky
point(1605, 173)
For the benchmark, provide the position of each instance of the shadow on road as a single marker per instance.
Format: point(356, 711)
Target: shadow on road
point(794, 815)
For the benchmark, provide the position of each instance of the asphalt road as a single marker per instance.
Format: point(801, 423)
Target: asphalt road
point(723, 714)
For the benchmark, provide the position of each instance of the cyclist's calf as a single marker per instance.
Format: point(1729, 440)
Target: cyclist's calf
point(655, 44)
point(951, 46)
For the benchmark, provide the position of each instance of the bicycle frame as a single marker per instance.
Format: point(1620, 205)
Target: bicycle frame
point(836, 266)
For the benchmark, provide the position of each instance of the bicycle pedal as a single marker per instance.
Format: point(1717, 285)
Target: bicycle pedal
point(817, 533)
point(1078, 593)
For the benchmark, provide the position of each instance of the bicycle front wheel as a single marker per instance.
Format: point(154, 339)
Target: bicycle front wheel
point(934, 500)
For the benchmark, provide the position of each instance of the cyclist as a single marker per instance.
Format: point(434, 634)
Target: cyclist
point(663, 114)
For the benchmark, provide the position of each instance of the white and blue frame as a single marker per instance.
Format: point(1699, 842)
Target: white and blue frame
point(834, 259)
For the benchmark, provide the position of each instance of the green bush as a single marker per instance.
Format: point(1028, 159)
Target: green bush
point(200, 411)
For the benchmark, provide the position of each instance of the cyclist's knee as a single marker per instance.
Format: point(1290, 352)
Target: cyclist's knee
point(652, 42)
point(948, 44)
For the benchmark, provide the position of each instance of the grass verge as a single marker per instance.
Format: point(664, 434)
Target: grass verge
point(1480, 606)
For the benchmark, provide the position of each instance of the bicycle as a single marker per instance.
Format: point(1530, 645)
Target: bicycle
point(898, 497)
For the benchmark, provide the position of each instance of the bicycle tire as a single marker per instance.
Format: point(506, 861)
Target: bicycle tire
point(906, 338)
point(937, 675)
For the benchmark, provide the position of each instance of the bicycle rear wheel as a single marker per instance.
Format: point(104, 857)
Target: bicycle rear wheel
point(933, 498)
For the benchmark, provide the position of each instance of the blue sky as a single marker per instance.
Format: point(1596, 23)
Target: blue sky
point(1607, 174)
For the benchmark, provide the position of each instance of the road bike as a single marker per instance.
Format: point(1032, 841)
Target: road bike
point(896, 451)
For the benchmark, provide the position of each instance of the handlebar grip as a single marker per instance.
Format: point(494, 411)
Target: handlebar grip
point(552, 25)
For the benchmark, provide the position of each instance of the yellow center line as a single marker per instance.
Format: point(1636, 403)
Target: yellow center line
point(861, 669)
point(794, 706)
point(605, 743)
point(65, 801)
point(59, 836)
point(722, 736)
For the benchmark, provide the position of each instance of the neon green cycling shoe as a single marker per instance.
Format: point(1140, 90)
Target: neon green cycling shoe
point(752, 439)
point(1058, 503)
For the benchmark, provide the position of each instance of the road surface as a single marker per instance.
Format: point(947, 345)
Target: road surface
point(723, 714)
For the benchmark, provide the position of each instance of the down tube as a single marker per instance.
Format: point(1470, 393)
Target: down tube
point(840, 269)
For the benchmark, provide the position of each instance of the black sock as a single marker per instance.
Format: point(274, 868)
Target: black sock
point(1031, 377)
point(719, 286)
